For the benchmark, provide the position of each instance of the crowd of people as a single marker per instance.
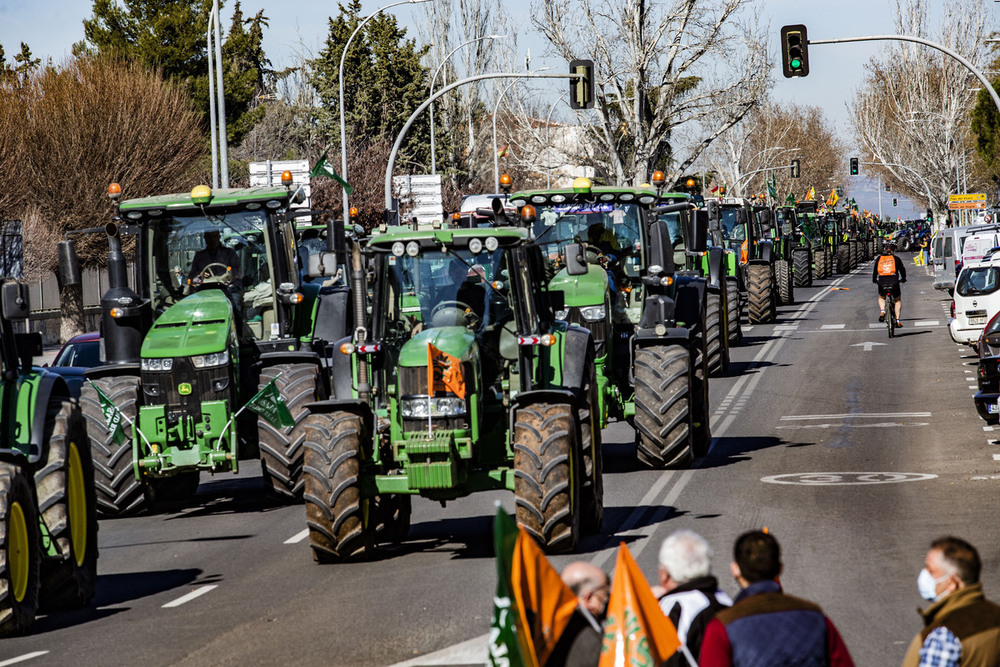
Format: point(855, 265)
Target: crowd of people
point(766, 626)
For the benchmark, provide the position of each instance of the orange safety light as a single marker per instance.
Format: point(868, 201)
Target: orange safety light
point(689, 182)
point(659, 178)
point(528, 213)
point(456, 216)
point(353, 212)
point(114, 191)
point(505, 182)
point(286, 178)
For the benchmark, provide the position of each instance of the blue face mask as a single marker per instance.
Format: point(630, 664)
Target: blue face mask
point(927, 584)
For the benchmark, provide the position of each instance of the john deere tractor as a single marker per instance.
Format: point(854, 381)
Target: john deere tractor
point(48, 523)
point(648, 320)
point(462, 380)
point(741, 231)
point(226, 317)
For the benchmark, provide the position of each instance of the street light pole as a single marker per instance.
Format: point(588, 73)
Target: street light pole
point(343, 57)
point(223, 141)
point(496, 108)
point(211, 103)
point(548, 146)
point(444, 61)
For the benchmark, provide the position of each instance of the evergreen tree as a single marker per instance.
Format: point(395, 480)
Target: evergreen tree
point(24, 64)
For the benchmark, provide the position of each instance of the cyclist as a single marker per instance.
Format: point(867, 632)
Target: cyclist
point(888, 273)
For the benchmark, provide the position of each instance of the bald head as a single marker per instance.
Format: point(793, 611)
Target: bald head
point(590, 584)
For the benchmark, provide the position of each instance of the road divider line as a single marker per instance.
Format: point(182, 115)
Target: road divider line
point(298, 537)
point(23, 658)
point(846, 415)
point(196, 593)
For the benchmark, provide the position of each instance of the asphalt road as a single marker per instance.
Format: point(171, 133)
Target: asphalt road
point(854, 450)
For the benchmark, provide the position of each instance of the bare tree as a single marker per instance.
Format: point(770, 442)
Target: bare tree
point(913, 106)
point(662, 69)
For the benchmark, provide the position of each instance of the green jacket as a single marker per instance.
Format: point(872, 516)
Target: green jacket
point(973, 619)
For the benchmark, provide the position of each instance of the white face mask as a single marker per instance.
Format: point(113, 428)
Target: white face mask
point(927, 584)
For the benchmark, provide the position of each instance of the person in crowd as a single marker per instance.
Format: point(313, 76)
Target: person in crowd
point(691, 595)
point(765, 626)
point(580, 644)
point(961, 627)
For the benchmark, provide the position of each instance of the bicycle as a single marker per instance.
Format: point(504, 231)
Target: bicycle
point(890, 313)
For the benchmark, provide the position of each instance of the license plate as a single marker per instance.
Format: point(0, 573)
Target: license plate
point(992, 408)
point(977, 320)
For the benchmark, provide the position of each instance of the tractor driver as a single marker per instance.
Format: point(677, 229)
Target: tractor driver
point(466, 286)
point(219, 255)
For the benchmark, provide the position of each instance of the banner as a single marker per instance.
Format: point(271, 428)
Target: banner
point(636, 632)
point(444, 372)
point(509, 638)
point(268, 404)
point(112, 415)
point(324, 168)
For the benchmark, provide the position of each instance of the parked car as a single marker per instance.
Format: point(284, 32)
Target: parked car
point(76, 356)
point(976, 299)
point(987, 399)
point(946, 253)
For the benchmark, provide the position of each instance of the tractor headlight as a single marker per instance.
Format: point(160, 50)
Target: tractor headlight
point(156, 364)
point(439, 407)
point(210, 360)
point(593, 313)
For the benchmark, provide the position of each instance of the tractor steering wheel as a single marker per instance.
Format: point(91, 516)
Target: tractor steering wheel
point(453, 313)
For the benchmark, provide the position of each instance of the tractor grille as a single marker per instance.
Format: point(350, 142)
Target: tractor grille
point(413, 382)
point(209, 384)
point(598, 330)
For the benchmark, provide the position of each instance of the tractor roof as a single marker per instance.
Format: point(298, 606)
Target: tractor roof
point(599, 194)
point(457, 236)
point(220, 197)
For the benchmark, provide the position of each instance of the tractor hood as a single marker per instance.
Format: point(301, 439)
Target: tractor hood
point(455, 341)
point(585, 290)
point(197, 324)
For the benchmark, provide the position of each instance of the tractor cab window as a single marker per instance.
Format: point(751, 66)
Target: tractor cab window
point(609, 229)
point(785, 218)
point(675, 228)
point(228, 251)
point(733, 233)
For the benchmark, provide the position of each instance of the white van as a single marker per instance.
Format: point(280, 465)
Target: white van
point(978, 246)
point(946, 252)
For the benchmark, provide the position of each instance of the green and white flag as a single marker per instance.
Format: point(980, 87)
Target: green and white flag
point(112, 415)
point(772, 188)
point(268, 404)
point(324, 168)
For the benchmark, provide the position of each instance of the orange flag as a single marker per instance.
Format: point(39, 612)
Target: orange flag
point(444, 372)
point(543, 600)
point(637, 632)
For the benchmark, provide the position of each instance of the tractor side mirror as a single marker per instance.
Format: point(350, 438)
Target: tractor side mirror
point(575, 257)
point(69, 264)
point(993, 340)
point(661, 252)
point(697, 231)
point(15, 301)
point(714, 214)
point(322, 264)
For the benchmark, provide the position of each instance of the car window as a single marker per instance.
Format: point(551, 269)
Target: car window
point(976, 281)
point(84, 353)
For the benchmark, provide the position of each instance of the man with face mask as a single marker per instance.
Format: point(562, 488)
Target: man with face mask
point(580, 644)
point(961, 627)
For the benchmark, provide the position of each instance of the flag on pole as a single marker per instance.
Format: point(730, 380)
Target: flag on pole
point(790, 199)
point(833, 198)
point(509, 637)
point(268, 404)
point(715, 190)
point(112, 415)
point(444, 372)
point(772, 188)
point(502, 151)
point(636, 632)
point(811, 195)
point(324, 168)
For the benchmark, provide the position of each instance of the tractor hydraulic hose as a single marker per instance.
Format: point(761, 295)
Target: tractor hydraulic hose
point(358, 295)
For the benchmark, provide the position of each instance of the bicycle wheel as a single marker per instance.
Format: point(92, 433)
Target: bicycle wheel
point(890, 314)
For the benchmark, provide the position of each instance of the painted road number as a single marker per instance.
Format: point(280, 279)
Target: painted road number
point(846, 478)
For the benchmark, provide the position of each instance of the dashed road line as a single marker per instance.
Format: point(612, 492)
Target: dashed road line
point(196, 593)
point(831, 327)
point(927, 323)
point(846, 415)
point(297, 537)
point(996, 457)
point(23, 658)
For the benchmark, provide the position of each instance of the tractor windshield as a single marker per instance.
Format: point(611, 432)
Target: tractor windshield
point(446, 289)
point(613, 228)
point(732, 233)
point(230, 249)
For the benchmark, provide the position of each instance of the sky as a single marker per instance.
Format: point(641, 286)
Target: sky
point(296, 29)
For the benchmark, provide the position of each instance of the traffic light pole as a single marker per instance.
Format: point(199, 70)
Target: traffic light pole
point(430, 100)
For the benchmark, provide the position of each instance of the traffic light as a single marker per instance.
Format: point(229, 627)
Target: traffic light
point(930, 216)
point(581, 89)
point(795, 168)
point(887, 187)
point(893, 201)
point(794, 51)
point(854, 166)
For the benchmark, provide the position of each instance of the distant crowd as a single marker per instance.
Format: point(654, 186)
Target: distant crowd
point(767, 627)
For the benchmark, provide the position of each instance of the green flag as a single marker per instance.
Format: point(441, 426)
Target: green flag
point(790, 199)
point(112, 415)
point(268, 404)
point(772, 188)
point(324, 168)
point(507, 638)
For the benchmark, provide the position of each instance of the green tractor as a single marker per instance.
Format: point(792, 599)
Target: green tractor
point(226, 314)
point(745, 229)
point(795, 246)
point(776, 227)
point(463, 380)
point(48, 520)
point(648, 320)
point(810, 250)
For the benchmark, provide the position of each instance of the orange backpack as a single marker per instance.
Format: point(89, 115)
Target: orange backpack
point(887, 265)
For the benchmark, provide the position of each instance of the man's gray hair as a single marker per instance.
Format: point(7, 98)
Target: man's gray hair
point(686, 556)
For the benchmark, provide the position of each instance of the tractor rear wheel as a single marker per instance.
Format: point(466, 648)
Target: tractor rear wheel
point(66, 499)
point(828, 263)
point(547, 475)
point(592, 482)
point(715, 337)
point(20, 551)
point(118, 491)
point(852, 249)
point(734, 326)
point(786, 288)
point(281, 449)
point(843, 259)
point(701, 428)
point(340, 527)
point(760, 308)
point(802, 267)
point(663, 406)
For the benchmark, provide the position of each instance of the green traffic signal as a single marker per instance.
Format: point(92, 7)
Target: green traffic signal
point(794, 51)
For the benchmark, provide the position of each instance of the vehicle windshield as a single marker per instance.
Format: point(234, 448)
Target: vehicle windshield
point(446, 289)
point(231, 248)
point(785, 218)
point(614, 228)
point(85, 353)
point(733, 234)
point(978, 280)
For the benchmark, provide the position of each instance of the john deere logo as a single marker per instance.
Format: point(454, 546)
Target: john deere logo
point(184, 388)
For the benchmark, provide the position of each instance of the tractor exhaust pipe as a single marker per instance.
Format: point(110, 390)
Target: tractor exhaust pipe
point(124, 316)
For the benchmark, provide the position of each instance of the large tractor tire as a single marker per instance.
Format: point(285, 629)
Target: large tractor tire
point(66, 499)
point(853, 254)
point(547, 475)
point(592, 483)
point(821, 257)
point(391, 514)
point(760, 308)
point(734, 313)
point(783, 277)
point(701, 428)
point(843, 259)
point(716, 338)
point(281, 449)
point(663, 406)
point(119, 493)
point(20, 551)
point(340, 527)
point(802, 259)
point(829, 263)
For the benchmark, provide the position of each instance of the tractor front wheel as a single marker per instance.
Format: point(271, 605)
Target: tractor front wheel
point(281, 449)
point(663, 406)
point(734, 325)
point(760, 308)
point(786, 288)
point(20, 554)
point(802, 267)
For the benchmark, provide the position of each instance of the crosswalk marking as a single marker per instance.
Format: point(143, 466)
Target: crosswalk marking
point(196, 593)
point(832, 326)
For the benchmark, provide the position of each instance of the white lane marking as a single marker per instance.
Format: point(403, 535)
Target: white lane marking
point(846, 415)
point(830, 327)
point(987, 428)
point(847, 478)
point(22, 658)
point(748, 328)
point(973, 386)
point(867, 346)
point(196, 593)
point(927, 323)
point(474, 651)
point(786, 327)
point(996, 457)
point(876, 325)
point(297, 537)
point(850, 425)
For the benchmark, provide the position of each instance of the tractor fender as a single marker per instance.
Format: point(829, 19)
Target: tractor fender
point(690, 301)
point(342, 375)
point(49, 386)
point(289, 357)
point(716, 256)
point(765, 251)
point(109, 370)
point(353, 405)
point(577, 343)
